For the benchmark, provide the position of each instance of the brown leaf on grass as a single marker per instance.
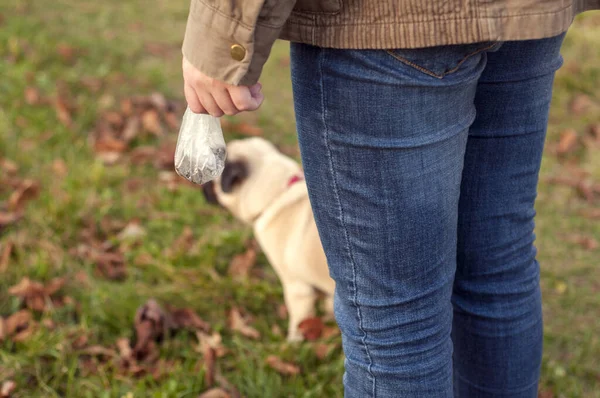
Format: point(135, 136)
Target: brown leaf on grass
point(79, 342)
point(581, 104)
point(109, 144)
point(186, 318)
point(142, 154)
point(282, 367)
point(209, 366)
point(133, 231)
point(27, 190)
point(311, 328)
point(248, 130)
point(230, 388)
point(59, 167)
point(159, 101)
point(216, 392)
point(126, 106)
point(321, 350)
point(124, 347)
point(165, 157)
point(131, 129)
point(591, 214)
point(8, 387)
point(151, 122)
point(32, 96)
point(8, 166)
point(242, 263)
point(111, 265)
point(35, 294)
point(152, 323)
point(330, 331)
point(583, 187)
point(594, 131)
point(99, 351)
point(5, 252)
point(240, 324)
point(546, 393)
point(63, 112)
point(66, 52)
point(109, 158)
point(185, 241)
point(7, 219)
point(282, 311)
point(18, 326)
point(585, 241)
point(93, 84)
point(567, 143)
point(214, 341)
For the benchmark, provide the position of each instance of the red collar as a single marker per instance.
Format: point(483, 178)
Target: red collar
point(294, 179)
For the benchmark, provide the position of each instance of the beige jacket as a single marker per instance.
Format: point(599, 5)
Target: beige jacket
point(230, 40)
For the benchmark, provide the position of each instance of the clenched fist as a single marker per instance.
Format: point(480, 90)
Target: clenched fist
point(207, 95)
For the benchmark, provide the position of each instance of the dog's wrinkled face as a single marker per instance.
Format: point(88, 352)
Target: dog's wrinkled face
point(255, 174)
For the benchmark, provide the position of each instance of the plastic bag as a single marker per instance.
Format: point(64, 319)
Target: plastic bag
point(200, 153)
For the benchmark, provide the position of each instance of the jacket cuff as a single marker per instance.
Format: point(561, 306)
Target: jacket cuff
point(208, 41)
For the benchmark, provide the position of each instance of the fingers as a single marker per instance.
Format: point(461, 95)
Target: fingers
point(223, 100)
point(192, 99)
point(206, 95)
point(244, 99)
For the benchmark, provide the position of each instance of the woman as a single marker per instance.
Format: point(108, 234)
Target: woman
point(421, 127)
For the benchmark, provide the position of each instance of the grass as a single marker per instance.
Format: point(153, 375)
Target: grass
point(132, 48)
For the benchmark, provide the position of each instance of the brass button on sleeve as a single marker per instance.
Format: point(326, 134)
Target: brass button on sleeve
point(238, 52)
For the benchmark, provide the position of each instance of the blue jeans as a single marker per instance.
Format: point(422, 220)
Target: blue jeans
point(422, 167)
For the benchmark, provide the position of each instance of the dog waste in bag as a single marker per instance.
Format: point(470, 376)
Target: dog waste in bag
point(200, 153)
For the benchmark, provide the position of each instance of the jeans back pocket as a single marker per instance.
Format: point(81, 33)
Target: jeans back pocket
point(441, 61)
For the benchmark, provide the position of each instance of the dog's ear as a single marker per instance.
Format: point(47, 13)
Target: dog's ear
point(233, 174)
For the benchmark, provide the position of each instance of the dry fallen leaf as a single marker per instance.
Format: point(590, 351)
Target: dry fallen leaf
point(8, 166)
point(109, 144)
point(151, 122)
point(285, 368)
point(27, 190)
point(63, 113)
point(241, 264)
point(580, 104)
point(32, 96)
point(35, 294)
point(124, 347)
point(239, 324)
point(311, 328)
point(131, 129)
point(186, 318)
point(59, 167)
point(215, 393)
point(214, 341)
point(209, 366)
point(19, 325)
point(132, 231)
point(99, 351)
point(5, 252)
point(66, 52)
point(594, 131)
point(111, 265)
point(8, 387)
point(546, 393)
point(330, 331)
point(248, 130)
point(7, 219)
point(321, 350)
point(152, 324)
point(587, 242)
point(567, 142)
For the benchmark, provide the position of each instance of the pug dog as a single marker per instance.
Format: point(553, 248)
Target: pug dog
point(265, 189)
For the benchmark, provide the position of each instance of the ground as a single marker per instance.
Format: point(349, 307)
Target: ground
point(107, 214)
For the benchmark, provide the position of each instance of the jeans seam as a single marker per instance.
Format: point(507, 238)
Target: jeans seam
point(341, 214)
point(445, 73)
point(493, 390)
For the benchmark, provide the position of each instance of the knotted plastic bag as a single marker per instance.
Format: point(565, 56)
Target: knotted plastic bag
point(200, 153)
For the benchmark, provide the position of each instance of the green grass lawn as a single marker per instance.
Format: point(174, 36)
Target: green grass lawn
point(63, 66)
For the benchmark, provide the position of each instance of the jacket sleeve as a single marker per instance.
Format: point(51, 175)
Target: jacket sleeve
point(230, 40)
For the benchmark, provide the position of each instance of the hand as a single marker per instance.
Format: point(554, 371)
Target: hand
point(207, 95)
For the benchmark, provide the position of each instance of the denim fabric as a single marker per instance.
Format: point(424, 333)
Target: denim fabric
point(422, 168)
